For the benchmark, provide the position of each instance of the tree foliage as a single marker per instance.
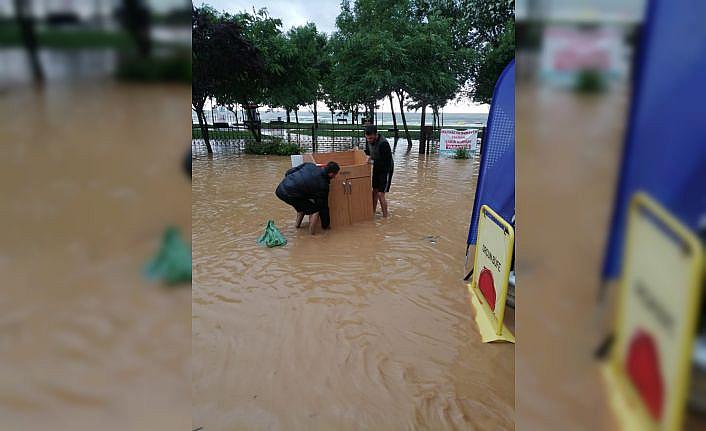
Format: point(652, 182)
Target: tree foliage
point(222, 59)
point(488, 28)
point(427, 52)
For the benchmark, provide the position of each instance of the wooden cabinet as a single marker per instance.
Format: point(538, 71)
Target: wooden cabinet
point(360, 199)
point(350, 194)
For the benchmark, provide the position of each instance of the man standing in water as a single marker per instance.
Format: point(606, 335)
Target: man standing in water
point(379, 151)
point(305, 187)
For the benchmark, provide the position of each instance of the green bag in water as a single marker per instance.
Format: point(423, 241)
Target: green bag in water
point(272, 237)
point(172, 264)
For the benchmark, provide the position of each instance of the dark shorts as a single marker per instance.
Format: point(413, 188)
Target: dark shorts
point(302, 205)
point(381, 181)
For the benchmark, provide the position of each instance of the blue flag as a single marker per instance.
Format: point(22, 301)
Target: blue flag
point(665, 147)
point(496, 177)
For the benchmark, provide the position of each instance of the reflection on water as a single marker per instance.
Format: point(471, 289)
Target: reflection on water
point(89, 182)
point(363, 327)
point(59, 65)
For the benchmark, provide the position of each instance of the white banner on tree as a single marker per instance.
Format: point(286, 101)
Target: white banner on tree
point(453, 140)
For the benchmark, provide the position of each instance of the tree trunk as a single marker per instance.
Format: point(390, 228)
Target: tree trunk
point(296, 115)
point(316, 117)
point(288, 117)
point(394, 119)
point(431, 111)
point(422, 135)
point(256, 132)
point(436, 118)
point(204, 128)
point(29, 38)
point(400, 96)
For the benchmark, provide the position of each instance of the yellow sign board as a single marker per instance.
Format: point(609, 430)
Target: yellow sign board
point(656, 322)
point(491, 269)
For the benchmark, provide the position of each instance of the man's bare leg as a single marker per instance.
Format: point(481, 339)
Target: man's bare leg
point(313, 220)
point(300, 217)
point(375, 200)
point(383, 204)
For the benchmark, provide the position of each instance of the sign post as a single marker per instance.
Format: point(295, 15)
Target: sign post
point(491, 269)
point(451, 140)
point(660, 288)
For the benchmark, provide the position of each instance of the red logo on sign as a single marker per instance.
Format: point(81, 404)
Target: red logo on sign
point(487, 287)
point(643, 369)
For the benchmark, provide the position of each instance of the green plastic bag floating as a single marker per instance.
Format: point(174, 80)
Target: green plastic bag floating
point(172, 264)
point(272, 237)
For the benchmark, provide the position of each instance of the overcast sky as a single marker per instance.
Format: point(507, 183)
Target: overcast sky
point(293, 13)
point(323, 13)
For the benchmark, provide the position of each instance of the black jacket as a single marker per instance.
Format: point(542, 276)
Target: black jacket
point(308, 181)
point(381, 154)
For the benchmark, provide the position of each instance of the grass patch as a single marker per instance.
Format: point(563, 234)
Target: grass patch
point(590, 81)
point(462, 154)
point(68, 38)
point(74, 38)
point(274, 147)
point(221, 134)
point(172, 68)
point(414, 134)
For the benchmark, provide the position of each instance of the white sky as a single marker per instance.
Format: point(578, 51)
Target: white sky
point(323, 13)
point(87, 8)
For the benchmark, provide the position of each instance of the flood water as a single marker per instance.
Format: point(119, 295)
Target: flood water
point(363, 327)
point(568, 158)
point(90, 179)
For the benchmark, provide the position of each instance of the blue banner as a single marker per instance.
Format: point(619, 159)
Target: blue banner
point(496, 177)
point(665, 148)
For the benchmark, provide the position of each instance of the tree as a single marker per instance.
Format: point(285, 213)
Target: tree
point(368, 59)
point(223, 60)
point(312, 66)
point(488, 28)
point(437, 71)
point(272, 84)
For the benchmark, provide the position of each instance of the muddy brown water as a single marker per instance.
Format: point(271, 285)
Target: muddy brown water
point(91, 176)
point(568, 157)
point(363, 327)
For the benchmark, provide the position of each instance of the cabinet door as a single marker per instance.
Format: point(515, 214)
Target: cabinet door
point(338, 204)
point(361, 199)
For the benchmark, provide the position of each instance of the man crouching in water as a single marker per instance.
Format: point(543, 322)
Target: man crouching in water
point(305, 187)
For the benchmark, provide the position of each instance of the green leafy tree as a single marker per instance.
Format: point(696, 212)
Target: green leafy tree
point(438, 72)
point(488, 28)
point(264, 88)
point(368, 59)
point(222, 59)
point(312, 66)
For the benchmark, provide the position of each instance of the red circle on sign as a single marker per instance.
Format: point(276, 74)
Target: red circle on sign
point(487, 287)
point(643, 369)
